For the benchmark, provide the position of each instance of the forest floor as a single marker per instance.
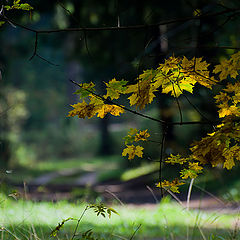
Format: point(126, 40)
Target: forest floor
point(135, 191)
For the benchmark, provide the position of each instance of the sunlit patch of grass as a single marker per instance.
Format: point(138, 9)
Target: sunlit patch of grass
point(164, 220)
point(139, 171)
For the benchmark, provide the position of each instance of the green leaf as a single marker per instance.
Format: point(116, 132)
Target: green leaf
point(1, 23)
point(26, 7)
point(7, 7)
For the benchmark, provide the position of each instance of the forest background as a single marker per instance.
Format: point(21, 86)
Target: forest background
point(36, 91)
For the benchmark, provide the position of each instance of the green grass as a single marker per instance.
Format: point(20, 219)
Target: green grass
point(166, 220)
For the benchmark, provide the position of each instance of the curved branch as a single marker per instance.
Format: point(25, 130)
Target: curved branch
point(143, 26)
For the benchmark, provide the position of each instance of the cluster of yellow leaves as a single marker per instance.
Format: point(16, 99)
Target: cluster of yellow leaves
point(132, 151)
point(222, 147)
point(193, 167)
point(176, 159)
point(134, 136)
point(192, 171)
point(95, 106)
point(172, 186)
point(179, 74)
point(174, 76)
point(228, 67)
point(228, 100)
point(83, 109)
point(219, 147)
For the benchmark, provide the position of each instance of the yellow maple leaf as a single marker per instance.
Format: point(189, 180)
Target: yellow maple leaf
point(228, 67)
point(115, 88)
point(142, 92)
point(132, 151)
point(195, 166)
point(177, 159)
point(222, 147)
point(82, 110)
point(142, 136)
point(196, 70)
point(228, 100)
point(230, 154)
point(104, 109)
point(173, 186)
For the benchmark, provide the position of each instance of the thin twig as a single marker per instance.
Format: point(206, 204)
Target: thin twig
point(178, 104)
point(135, 232)
point(49, 62)
point(154, 196)
point(115, 196)
point(164, 132)
point(78, 222)
point(35, 47)
point(114, 28)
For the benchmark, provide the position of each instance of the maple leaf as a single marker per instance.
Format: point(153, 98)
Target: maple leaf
point(230, 154)
point(115, 88)
point(85, 89)
point(131, 136)
point(228, 67)
point(217, 148)
point(228, 100)
point(104, 109)
point(132, 151)
point(82, 110)
point(176, 159)
point(173, 186)
point(142, 92)
point(142, 136)
point(196, 70)
point(192, 172)
point(180, 74)
point(188, 173)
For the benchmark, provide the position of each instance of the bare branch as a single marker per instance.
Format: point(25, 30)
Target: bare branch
point(114, 28)
point(35, 47)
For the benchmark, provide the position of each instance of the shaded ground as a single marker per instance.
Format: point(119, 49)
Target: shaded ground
point(135, 191)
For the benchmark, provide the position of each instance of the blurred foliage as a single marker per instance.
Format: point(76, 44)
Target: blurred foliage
point(44, 131)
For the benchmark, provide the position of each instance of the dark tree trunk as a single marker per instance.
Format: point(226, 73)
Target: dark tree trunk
point(105, 138)
point(160, 51)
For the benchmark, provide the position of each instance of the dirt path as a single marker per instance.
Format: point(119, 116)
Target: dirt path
point(131, 192)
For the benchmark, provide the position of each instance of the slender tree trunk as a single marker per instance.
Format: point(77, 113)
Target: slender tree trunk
point(160, 50)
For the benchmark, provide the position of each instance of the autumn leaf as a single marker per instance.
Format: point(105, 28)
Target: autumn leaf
point(85, 89)
point(115, 88)
point(143, 91)
point(103, 110)
point(228, 67)
point(177, 159)
point(142, 136)
point(196, 70)
point(228, 100)
point(173, 185)
point(132, 151)
point(218, 148)
point(82, 110)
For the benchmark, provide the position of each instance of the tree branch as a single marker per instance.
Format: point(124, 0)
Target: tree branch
point(132, 27)
point(108, 101)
